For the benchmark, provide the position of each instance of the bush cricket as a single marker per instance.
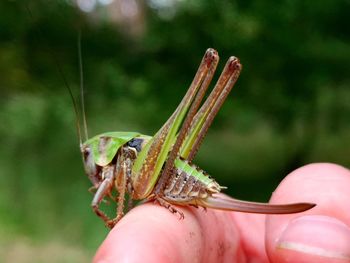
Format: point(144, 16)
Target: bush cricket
point(160, 168)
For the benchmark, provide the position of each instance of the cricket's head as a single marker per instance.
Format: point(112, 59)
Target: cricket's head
point(103, 149)
point(90, 167)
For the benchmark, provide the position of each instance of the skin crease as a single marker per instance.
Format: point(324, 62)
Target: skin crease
point(150, 233)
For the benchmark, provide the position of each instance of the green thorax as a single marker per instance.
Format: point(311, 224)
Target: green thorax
point(105, 146)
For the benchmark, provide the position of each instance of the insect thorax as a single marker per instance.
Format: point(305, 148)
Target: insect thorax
point(105, 149)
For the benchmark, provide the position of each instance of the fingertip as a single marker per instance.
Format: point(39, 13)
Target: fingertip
point(321, 233)
point(148, 233)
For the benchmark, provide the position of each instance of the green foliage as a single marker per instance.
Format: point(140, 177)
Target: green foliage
point(291, 105)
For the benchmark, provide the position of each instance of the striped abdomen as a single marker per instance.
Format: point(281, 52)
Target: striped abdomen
point(188, 183)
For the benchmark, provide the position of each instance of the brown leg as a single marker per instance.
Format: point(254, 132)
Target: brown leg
point(150, 162)
point(168, 206)
point(93, 190)
point(103, 189)
point(210, 108)
point(211, 59)
point(130, 203)
point(120, 183)
point(124, 166)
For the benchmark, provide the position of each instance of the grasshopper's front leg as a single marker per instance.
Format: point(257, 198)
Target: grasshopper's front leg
point(122, 182)
point(118, 174)
point(105, 188)
point(151, 160)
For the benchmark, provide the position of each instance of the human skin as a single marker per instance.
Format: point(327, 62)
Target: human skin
point(150, 233)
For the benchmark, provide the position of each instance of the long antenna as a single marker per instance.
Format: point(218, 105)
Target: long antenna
point(60, 70)
point(82, 99)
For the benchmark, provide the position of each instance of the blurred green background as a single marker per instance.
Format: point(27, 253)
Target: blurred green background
point(290, 107)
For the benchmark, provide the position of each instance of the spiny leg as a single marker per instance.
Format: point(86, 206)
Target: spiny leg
point(130, 203)
point(199, 127)
point(193, 131)
point(121, 182)
point(151, 159)
point(130, 191)
point(103, 189)
point(170, 207)
point(210, 108)
point(93, 190)
point(211, 55)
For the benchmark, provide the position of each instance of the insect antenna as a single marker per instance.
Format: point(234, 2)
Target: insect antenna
point(64, 79)
point(82, 98)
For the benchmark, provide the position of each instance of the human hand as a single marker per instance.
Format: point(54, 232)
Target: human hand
point(149, 233)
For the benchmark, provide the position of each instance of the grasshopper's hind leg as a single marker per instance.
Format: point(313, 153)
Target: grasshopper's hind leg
point(206, 114)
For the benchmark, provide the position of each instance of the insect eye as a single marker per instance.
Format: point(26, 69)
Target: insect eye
point(86, 153)
point(135, 143)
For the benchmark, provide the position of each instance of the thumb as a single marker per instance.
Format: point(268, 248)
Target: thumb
point(321, 234)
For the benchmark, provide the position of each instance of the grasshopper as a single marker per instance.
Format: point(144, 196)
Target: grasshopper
point(160, 168)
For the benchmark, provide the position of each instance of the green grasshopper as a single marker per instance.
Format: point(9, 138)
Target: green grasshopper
point(160, 168)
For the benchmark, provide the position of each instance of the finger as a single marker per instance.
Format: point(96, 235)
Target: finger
point(252, 232)
point(150, 233)
point(321, 234)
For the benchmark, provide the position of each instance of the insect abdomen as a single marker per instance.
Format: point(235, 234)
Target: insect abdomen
point(189, 183)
